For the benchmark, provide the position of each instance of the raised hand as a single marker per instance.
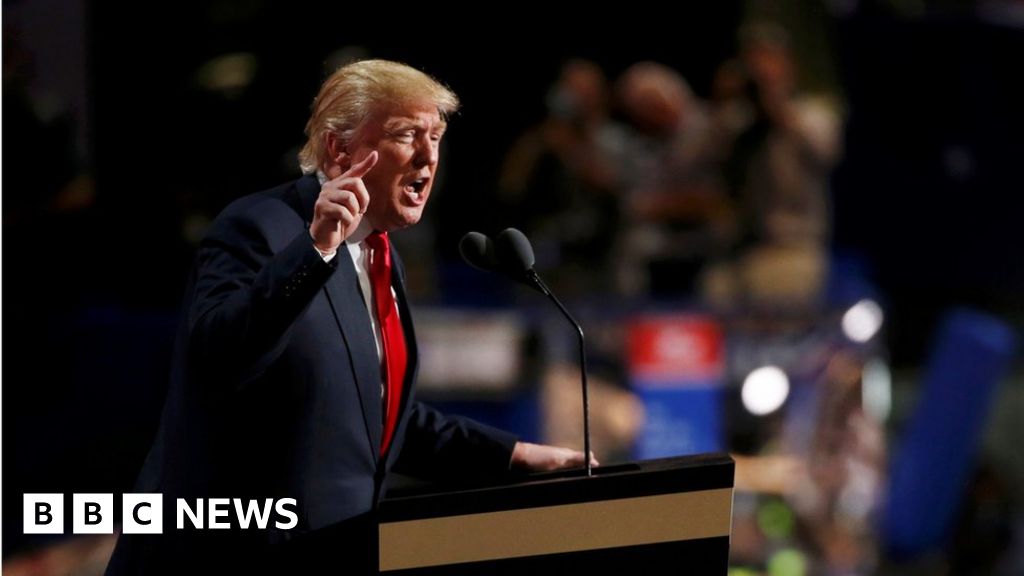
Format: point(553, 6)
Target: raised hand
point(340, 206)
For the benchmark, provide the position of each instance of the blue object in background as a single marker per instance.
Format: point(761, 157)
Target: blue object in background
point(933, 461)
point(679, 419)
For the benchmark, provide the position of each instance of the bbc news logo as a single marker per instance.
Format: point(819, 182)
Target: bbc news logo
point(143, 513)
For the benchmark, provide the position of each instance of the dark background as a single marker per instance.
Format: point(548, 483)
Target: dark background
point(927, 202)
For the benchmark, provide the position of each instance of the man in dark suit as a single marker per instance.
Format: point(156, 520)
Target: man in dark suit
point(296, 357)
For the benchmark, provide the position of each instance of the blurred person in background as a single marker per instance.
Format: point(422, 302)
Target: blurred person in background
point(559, 179)
point(779, 147)
point(675, 213)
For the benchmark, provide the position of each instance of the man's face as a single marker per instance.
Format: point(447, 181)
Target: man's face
point(406, 139)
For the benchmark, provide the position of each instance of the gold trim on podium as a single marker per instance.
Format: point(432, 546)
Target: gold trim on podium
point(555, 529)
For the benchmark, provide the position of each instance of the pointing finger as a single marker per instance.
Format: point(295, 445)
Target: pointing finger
point(363, 167)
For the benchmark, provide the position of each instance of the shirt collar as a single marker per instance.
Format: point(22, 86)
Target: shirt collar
point(361, 232)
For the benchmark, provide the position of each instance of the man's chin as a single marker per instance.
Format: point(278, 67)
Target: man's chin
point(404, 220)
point(411, 217)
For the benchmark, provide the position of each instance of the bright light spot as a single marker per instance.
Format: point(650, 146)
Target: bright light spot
point(764, 390)
point(862, 321)
point(877, 389)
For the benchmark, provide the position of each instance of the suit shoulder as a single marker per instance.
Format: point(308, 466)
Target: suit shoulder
point(274, 207)
point(271, 199)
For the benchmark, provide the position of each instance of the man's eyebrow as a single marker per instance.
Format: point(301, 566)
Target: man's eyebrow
point(398, 124)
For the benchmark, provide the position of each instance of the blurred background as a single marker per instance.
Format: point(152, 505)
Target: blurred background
point(791, 230)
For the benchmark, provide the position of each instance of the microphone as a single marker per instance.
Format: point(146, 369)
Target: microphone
point(512, 255)
point(478, 251)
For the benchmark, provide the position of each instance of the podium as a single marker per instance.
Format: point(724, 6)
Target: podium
point(664, 516)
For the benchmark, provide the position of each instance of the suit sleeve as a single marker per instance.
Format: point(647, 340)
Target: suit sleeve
point(247, 296)
point(442, 447)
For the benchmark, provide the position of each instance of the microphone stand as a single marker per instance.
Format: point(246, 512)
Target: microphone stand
point(534, 279)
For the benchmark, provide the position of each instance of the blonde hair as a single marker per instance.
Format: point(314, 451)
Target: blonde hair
point(349, 96)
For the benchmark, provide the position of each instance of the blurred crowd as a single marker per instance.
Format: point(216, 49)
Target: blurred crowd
point(640, 188)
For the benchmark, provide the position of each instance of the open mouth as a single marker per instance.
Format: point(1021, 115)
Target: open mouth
point(415, 189)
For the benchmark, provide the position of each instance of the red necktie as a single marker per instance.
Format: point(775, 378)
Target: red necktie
point(393, 340)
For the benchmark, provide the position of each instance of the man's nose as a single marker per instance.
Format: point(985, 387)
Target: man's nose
point(426, 151)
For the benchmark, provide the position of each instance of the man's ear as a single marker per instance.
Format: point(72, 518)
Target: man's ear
point(338, 158)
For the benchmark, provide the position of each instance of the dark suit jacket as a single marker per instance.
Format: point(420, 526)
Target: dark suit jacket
point(275, 390)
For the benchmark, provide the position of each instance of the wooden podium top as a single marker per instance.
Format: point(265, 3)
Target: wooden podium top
point(648, 477)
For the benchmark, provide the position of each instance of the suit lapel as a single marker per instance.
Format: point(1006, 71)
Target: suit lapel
point(346, 301)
